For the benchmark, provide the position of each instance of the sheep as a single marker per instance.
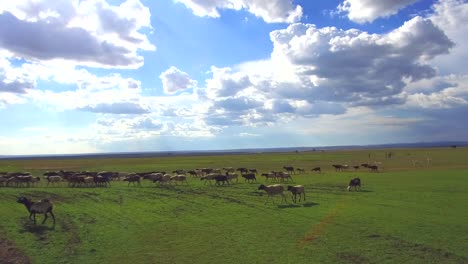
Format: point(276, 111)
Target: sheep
point(317, 169)
point(179, 178)
point(300, 170)
point(44, 206)
point(284, 176)
point(208, 178)
point(289, 169)
point(228, 169)
point(133, 179)
point(221, 179)
point(295, 190)
point(163, 179)
point(338, 167)
point(232, 176)
point(356, 183)
point(88, 181)
point(53, 179)
point(271, 190)
point(3, 181)
point(269, 175)
point(253, 170)
point(248, 177)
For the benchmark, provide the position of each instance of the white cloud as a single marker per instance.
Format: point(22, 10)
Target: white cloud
point(357, 67)
point(91, 33)
point(362, 11)
point(451, 16)
point(271, 11)
point(131, 108)
point(174, 80)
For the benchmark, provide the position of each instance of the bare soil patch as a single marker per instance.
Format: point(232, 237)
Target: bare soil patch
point(10, 254)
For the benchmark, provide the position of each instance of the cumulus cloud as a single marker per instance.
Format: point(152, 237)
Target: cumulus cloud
point(91, 33)
point(116, 108)
point(450, 16)
point(14, 86)
point(354, 66)
point(271, 11)
point(362, 11)
point(225, 83)
point(174, 80)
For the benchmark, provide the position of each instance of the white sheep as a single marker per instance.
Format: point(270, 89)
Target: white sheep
point(295, 190)
point(271, 190)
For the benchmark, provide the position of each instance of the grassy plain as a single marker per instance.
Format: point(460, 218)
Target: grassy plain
point(404, 214)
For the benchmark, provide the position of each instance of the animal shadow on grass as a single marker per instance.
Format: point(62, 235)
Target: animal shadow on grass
point(297, 205)
point(39, 230)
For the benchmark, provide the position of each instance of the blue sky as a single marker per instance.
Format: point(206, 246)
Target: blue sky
point(140, 75)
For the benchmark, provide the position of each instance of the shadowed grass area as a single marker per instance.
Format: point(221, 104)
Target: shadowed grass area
point(404, 213)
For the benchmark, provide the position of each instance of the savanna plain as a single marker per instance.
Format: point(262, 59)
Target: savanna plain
point(413, 210)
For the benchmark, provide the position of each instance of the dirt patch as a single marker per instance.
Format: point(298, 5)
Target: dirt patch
point(10, 254)
point(319, 229)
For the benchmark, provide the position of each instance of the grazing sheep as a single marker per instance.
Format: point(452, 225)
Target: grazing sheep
point(300, 170)
point(295, 190)
point(356, 183)
point(42, 207)
point(271, 190)
point(249, 177)
point(373, 168)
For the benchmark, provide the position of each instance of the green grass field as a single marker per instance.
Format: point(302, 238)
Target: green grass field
point(404, 214)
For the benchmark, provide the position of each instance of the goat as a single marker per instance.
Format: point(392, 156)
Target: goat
point(295, 190)
point(271, 190)
point(44, 206)
point(356, 182)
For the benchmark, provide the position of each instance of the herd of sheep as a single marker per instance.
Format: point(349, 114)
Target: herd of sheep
point(225, 176)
